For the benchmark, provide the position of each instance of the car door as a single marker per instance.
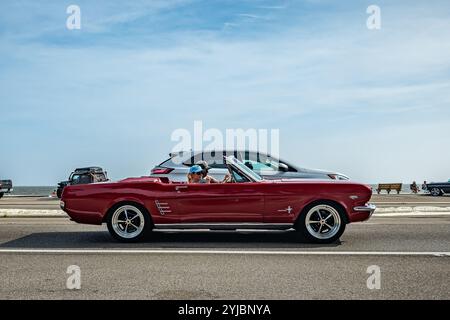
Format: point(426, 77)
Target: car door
point(220, 203)
point(283, 201)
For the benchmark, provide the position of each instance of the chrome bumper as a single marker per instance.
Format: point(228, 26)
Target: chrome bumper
point(367, 208)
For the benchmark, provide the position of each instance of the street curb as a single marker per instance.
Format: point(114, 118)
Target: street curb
point(29, 213)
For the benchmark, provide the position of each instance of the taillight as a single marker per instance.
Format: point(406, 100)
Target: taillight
point(161, 170)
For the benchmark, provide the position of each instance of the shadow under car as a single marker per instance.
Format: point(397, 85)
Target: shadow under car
point(167, 239)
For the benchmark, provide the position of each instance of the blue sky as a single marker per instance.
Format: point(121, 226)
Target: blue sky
point(373, 104)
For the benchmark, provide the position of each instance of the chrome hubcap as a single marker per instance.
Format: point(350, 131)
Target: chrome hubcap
point(435, 191)
point(128, 222)
point(323, 221)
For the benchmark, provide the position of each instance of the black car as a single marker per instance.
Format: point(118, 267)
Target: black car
point(438, 188)
point(5, 187)
point(83, 176)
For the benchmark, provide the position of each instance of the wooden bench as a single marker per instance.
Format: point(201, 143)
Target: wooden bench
point(389, 186)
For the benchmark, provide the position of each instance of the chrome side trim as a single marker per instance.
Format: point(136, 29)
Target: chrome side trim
point(225, 226)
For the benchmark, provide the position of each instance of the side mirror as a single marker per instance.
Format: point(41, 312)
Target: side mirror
point(283, 167)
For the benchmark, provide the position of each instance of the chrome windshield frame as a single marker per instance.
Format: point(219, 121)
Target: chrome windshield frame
point(251, 175)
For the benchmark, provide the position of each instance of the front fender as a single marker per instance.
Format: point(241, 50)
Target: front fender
point(312, 202)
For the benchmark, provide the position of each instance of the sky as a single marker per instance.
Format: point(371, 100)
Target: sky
point(372, 104)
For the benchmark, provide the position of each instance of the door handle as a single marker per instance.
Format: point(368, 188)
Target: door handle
point(178, 188)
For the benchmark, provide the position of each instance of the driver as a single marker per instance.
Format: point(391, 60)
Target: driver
point(195, 175)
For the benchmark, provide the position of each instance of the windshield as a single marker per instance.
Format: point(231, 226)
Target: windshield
point(243, 168)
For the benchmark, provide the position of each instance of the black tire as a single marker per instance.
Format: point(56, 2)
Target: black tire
point(436, 192)
point(1, 195)
point(136, 212)
point(59, 193)
point(314, 233)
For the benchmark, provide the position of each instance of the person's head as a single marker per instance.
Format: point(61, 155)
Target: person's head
point(205, 168)
point(195, 173)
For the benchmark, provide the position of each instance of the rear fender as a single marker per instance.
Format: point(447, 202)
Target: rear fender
point(117, 201)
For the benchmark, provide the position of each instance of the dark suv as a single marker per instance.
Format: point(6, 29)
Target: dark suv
point(5, 187)
point(83, 176)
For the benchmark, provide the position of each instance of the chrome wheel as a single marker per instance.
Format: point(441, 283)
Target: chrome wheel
point(323, 222)
point(435, 192)
point(128, 222)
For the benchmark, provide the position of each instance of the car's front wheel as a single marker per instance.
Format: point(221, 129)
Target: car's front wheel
point(1, 194)
point(435, 192)
point(322, 223)
point(128, 223)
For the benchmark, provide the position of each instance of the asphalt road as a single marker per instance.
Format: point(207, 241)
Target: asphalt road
point(412, 253)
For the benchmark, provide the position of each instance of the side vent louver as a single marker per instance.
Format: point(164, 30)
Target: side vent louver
point(163, 207)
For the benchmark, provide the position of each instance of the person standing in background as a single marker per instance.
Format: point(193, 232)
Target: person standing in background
point(424, 186)
point(414, 187)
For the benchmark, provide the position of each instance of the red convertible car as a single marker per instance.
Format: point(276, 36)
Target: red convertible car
point(319, 209)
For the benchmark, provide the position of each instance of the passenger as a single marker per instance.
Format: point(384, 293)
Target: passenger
point(205, 168)
point(195, 175)
point(414, 188)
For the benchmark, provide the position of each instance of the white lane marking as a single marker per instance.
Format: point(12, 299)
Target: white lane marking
point(410, 214)
point(235, 252)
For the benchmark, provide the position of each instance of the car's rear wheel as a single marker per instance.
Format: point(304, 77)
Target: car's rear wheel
point(1, 194)
point(128, 223)
point(435, 192)
point(322, 223)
